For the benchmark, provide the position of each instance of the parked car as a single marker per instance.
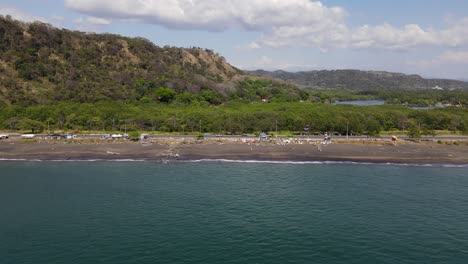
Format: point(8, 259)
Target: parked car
point(55, 136)
point(116, 136)
point(70, 136)
point(2, 136)
point(28, 136)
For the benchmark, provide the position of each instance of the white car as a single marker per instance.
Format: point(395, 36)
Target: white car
point(2, 136)
point(28, 136)
point(116, 136)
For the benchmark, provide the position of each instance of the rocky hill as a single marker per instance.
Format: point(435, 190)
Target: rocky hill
point(361, 80)
point(42, 64)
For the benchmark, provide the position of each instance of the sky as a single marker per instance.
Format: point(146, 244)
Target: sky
point(425, 37)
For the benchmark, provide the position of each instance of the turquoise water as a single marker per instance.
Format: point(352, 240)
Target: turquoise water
point(213, 212)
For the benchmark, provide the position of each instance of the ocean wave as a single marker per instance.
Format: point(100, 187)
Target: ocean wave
point(330, 163)
point(279, 162)
point(76, 160)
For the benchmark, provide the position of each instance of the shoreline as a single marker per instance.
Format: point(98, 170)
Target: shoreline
point(364, 152)
point(273, 162)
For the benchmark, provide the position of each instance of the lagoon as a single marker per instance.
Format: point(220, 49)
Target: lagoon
point(360, 102)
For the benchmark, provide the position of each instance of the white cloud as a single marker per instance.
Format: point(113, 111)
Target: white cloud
point(409, 36)
point(20, 15)
point(92, 21)
point(97, 21)
point(279, 22)
point(388, 37)
point(267, 63)
point(456, 57)
point(90, 24)
point(253, 45)
point(444, 61)
point(26, 17)
point(213, 14)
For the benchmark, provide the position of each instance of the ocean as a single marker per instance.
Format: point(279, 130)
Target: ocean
point(231, 212)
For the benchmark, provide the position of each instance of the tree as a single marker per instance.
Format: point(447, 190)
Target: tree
point(414, 132)
point(33, 125)
point(165, 95)
point(134, 135)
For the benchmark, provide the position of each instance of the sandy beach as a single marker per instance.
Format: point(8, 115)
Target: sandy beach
point(381, 152)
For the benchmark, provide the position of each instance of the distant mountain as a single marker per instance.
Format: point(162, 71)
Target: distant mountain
point(42, 64)
point(361, 80)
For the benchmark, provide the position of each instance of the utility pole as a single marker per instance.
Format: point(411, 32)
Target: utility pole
point(276, 120)
point(200, 125)
point(347, 125)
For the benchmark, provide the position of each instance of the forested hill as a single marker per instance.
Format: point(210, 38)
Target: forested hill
point(42, 64)
point(361, 80)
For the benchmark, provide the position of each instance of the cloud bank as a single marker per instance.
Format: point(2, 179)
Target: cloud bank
point(281, 23)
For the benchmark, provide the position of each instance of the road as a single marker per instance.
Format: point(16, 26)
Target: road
point(251, 137)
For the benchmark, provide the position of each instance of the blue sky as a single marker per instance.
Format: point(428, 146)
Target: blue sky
point(429, 37)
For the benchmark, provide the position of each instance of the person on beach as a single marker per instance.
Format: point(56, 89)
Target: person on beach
point(327, 139)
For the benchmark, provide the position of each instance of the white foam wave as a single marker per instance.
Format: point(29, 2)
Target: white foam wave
point(329, 163)
point(75, 160)
point(248, 161)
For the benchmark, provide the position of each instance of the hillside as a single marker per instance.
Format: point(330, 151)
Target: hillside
point(40, 64)
point(43, 64)
point(361, 80)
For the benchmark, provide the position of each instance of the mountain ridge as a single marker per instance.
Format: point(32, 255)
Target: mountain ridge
point(360, 80)
point(41, 64)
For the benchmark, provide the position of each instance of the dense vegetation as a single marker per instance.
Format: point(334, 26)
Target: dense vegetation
point(40, 64)
point(57, 79)
point(233, 118)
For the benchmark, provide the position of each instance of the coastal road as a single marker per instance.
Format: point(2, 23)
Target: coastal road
point(251, 137)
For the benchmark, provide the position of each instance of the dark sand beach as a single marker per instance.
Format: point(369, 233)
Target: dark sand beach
point(381, 152)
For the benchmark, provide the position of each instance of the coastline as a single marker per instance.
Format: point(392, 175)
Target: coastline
point(186, 150)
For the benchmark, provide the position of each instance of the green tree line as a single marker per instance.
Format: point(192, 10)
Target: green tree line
point(230, 118)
